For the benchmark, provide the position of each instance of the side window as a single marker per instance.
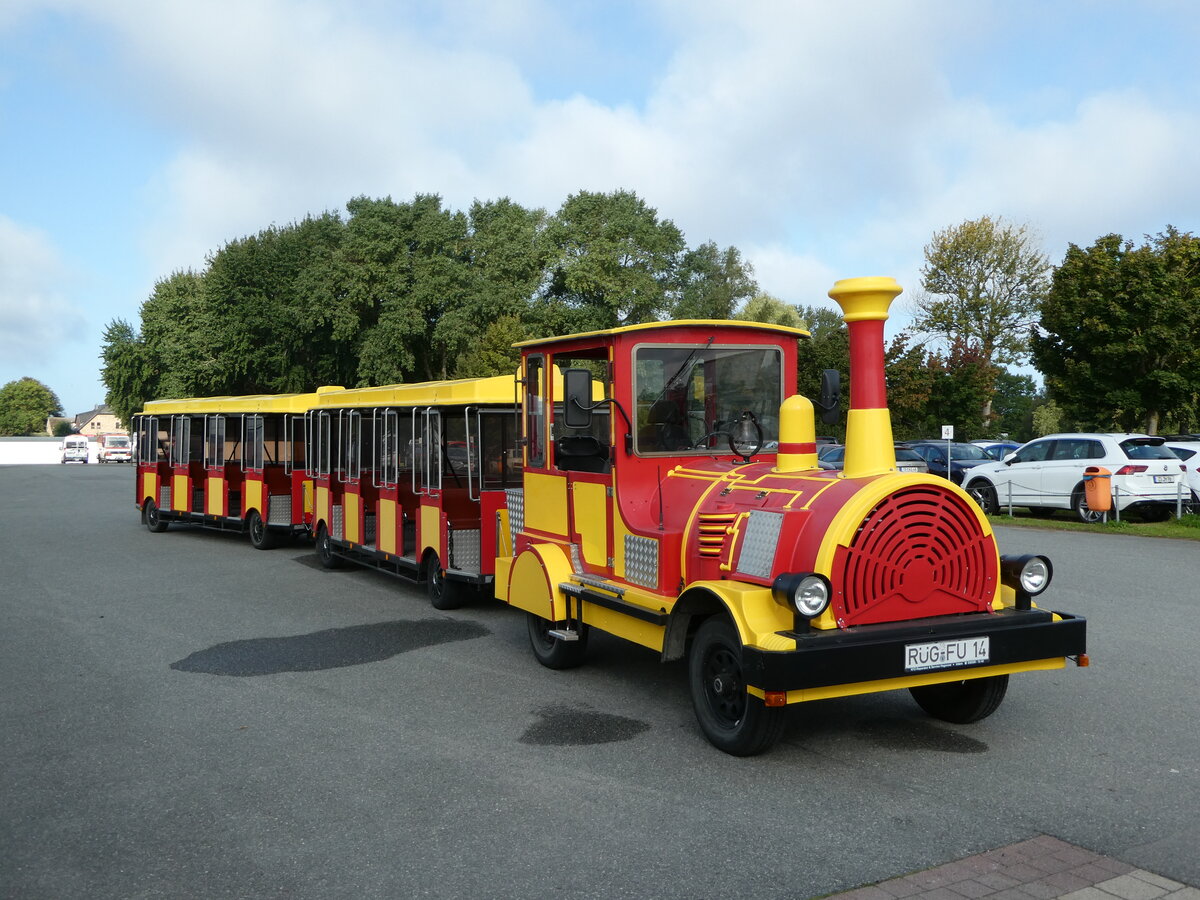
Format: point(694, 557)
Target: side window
point(1035, 452)
point(535, 410)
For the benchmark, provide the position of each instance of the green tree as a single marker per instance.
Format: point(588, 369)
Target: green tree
point(1047, 419)
point(910, 388)
point(610, 262)
point(1013, 405)
point(128, 370)
point(712, 283)
point(982, 283)
point(493, 353)
point(1120, 342)
point(769, 310)
point(25, 404)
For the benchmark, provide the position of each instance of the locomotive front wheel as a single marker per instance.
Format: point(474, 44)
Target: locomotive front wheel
point(154, 521)
point(730, 718)
point(329, 559)
point(443, 593)
point(962, 702)
point(261, 537)
point(552, 652)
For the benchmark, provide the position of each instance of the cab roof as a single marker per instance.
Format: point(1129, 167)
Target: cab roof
point(712, 324)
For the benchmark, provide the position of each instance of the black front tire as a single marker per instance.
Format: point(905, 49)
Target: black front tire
point(329, 559)
point(985, 495)
point(552, 652)
point(261, 537)
point(154, 519)
point(731, 719)
point(962, 702)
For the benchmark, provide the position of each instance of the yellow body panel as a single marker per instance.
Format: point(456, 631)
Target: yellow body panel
point(620, 625)
point(651, 326)
point(546, 503)
point(385, 533)
point(149, 487)
point(321, 510)
point(351, 507)
point(534, 578)
point(253, 498)
point(214, 495)
point(431, 532)
point(503, 571)
point(908, 681)
point(755, 613)
point(181, 497)
point(503, 536)
point(591, 521)
point(500, 389)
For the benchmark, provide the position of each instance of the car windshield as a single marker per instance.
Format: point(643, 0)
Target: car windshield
point(685, 395)
point(1139, 448)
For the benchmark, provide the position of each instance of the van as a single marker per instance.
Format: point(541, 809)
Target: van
point(74, 448)
point(114, 448)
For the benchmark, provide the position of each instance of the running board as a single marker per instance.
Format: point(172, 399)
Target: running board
point(614, 602)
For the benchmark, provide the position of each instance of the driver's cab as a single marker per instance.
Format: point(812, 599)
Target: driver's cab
point(607, 416)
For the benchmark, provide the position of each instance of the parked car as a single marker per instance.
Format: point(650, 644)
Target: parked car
point(963, 458)
point(1047, 474)
point(1189, 452)
point(74, 449)
point(833, 456)
point(114, 448)
point(997, 449)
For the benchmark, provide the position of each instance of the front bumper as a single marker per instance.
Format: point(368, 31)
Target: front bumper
point(824, 661)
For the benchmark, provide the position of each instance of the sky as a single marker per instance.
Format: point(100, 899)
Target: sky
point(823, 140)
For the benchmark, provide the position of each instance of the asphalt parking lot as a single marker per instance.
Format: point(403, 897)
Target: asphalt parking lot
point(184, 716)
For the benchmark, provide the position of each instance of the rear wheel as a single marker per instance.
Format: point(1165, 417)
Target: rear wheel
point(730, 718)
point(553, 652)
point(443, 592)
point(962, 701)
point(154, 519)
point(329, 559)
point(261, 537)
point(1079, 505)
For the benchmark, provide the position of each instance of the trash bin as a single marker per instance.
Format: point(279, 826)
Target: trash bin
point(1097, 488)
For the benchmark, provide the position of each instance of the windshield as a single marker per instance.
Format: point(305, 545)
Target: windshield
point(687, 396)
point(117, 442)
point(968, 451)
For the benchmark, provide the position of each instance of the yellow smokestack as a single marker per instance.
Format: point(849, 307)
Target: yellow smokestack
point(870, 449)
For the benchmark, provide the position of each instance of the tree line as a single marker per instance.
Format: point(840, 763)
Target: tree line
point(413, 291)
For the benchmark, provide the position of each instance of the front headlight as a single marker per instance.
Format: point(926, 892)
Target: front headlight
point(804, 593)
point(1027, 575)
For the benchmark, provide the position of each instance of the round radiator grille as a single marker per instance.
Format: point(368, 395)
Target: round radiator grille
point(920, 552)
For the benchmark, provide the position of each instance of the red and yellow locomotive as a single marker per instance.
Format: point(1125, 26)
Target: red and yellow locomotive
point(684, 510)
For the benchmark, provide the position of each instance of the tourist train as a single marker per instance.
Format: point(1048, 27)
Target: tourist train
point(658, 482)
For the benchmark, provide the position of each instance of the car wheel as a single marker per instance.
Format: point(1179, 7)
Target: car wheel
point(154, 519)
point(261, 537)
point(552, 652)
point(443, 592)
point(730, 718)
point(329, 559)
point(1079, 505)
point(962, 702)
point(985, 495)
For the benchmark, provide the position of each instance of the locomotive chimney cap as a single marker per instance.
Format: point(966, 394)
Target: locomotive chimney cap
point(865, 299)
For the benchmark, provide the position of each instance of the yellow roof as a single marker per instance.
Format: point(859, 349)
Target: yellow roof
point(256, 403)
point(673, 323)
point(460, 392)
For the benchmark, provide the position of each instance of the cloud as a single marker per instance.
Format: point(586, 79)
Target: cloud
point(35, 317)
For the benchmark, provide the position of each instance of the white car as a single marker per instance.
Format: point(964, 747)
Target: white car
point(74, 449)
point(1189, 452)
point(1047, 474)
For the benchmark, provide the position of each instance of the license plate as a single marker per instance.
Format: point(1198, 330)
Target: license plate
point(909, 469)
point(1163, 479)
point(945, 654)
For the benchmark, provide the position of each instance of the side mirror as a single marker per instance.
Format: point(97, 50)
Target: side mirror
point(831, 394)
point(577, 399)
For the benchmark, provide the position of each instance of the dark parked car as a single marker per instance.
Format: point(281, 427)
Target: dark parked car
point(963, 458)
point(833, 456)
